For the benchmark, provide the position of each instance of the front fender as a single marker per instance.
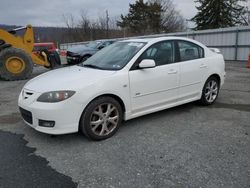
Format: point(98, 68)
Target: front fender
point(117, 85)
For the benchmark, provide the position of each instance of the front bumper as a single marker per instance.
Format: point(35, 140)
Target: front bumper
point(65, 114)
point(73, 58)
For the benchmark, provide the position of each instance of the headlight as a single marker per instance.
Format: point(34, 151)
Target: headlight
point(55, 96)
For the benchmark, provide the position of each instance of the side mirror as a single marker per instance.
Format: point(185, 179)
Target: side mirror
point(147, 63)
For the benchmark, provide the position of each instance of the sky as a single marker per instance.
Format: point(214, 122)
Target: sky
point(50, 12)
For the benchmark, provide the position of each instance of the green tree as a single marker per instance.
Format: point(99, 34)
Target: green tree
point(154, 17)
point(219, 13)
point(150, 17)
point(136, 20)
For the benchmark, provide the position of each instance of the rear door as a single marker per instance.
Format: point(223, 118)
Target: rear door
point(193, 67)
point(156, 87)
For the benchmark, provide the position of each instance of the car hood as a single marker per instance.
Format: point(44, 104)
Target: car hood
point(68, 78)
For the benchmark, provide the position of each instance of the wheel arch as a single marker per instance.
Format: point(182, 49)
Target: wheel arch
point(217, 76)
point(114, 96)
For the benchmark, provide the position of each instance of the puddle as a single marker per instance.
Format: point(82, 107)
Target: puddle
point(10, 119)
point(20, 167)
point(240, 107)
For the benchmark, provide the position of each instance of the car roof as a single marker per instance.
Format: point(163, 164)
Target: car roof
point(158, 39)
point(154, 39)
point(105, 40)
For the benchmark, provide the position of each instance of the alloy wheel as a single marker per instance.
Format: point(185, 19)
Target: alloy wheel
point(104, 119)
point(211, 91)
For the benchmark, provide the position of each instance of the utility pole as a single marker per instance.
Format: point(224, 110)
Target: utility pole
point(248, 12)
point(248, 16)
point(107, 24)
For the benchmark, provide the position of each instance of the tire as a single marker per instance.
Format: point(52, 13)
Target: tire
point(84, 58)
point(15, 64)
point(53, 58)
point(97, 122)
point(57, 58)
point(210, 91)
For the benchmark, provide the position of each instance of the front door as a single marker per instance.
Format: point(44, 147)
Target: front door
point(154, 88)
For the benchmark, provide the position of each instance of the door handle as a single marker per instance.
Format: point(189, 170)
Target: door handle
point(172, 71)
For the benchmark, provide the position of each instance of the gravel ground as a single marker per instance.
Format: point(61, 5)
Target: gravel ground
point(186, 146)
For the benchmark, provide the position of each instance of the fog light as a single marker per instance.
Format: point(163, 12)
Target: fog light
point(44, 123)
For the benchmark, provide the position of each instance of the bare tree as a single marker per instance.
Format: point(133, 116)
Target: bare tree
point(71, 24)
point(84, 26)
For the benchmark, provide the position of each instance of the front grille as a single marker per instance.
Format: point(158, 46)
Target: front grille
point(27, 115)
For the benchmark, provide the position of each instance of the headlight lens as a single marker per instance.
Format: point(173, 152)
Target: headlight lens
point(55, 96)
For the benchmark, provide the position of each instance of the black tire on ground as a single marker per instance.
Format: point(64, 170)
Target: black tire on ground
point(57, 58)
point(53, 58)
point(24, 73)
point(84, 58)
point(85, 122)
point(204, 100)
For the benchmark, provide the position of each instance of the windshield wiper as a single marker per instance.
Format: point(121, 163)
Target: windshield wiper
point(91, 66)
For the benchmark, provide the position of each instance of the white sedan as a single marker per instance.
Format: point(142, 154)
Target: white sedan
point(123, 81)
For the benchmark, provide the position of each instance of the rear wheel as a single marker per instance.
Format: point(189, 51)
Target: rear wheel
point(101, 118)
point(210, 91)
point(15, 64)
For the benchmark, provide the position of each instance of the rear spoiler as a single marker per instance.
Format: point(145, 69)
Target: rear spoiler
point(215, 50)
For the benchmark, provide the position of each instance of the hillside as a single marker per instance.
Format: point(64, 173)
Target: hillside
point(45, 34)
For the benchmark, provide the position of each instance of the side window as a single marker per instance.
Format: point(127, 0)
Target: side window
point(106, 44)
point(162, 53)
point(189, 51)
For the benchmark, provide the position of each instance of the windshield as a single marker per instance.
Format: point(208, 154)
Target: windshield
point(114, 57)
point(93, 44)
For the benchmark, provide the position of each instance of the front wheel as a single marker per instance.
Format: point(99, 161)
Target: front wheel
point(15, 64)
point(210, 91)
point(101, 118)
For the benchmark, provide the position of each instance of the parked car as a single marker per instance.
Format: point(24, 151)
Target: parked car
point(50, 46)
point(126, 80)
point(80, 54)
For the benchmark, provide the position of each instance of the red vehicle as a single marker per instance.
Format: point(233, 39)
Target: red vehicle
point(50, 46)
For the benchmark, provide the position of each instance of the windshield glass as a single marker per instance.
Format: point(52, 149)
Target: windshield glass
point(93, 44)
point(114, 57)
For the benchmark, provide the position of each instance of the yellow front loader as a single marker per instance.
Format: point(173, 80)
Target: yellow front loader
point(16, 57)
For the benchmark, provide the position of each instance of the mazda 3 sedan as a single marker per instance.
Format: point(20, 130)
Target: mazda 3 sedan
point(125, 80)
